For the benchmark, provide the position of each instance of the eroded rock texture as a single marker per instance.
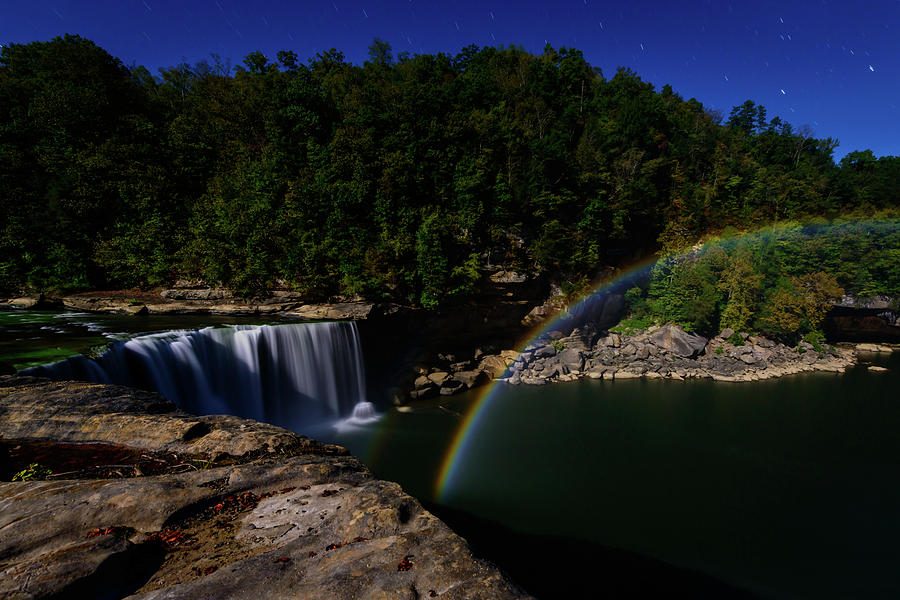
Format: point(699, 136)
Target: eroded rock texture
point(237, 509)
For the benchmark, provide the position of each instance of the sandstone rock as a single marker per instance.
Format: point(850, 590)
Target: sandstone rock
point(726, 333)
point(676, 341)
point(336, 312)
point(312, 523)
point(438, 377)
point(877, 369)
point(545, 351)
point(197, 294)
point(493, 365)
point(25, 302)
point(452, 386)
point(510, 355)
point(873, 348)
point(572, 359)
point(472, 378)
point(761, 341)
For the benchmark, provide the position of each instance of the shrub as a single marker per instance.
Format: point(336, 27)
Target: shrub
point(32, 471)
point(736, 339)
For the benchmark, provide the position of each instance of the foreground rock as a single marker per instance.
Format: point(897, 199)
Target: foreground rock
point(255, 511)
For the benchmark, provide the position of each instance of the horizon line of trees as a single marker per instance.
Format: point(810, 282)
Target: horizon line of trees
point(402, 178)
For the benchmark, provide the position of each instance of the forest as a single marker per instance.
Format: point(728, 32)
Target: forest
point(407, 177)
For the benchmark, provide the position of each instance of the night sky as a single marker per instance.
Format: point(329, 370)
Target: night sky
point(834, 66)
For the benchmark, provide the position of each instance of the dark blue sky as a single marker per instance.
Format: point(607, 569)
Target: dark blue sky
point(834, 66)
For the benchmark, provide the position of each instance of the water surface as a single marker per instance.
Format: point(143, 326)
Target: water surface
point(785, 487)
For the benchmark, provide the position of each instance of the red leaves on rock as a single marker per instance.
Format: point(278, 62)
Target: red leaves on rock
point(169, 539)
point(405, 563)
point(98, 532)
point(311, 553)
point(355, 540)
point(241, 501)
point(288, 489)
point(209, 570)
point(327, 493)
point(283, 559)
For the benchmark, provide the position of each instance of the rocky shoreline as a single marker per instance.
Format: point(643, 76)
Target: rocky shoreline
point(211, 301)
point(194, 504)
point(658, 352)
point(669, 352)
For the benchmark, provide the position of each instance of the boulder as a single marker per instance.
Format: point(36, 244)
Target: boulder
point(572, 359)
point(472, 378)
point(460, 366)
point(438, 377)
point(726, 333)
point(26, 302)
point(452, 386)
point(545, 352)
point(339, 311)
point(761, 341)
point(675, 340)
point(493, 365)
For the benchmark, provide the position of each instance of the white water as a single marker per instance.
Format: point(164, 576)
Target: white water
point(290, 375)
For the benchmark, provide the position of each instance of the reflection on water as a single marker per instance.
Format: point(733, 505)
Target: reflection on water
point(786, 487)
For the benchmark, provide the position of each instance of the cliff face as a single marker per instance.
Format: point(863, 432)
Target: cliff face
point(150, 502)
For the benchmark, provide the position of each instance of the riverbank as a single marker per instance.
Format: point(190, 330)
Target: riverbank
point(204, 301)
point(169, 504)
point(658, 352)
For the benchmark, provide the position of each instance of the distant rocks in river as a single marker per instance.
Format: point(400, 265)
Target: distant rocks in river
point(667, 352)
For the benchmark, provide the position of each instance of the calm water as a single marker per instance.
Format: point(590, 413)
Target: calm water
point(788, 488)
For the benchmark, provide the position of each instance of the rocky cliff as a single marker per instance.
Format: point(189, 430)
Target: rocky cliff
point(142, 500)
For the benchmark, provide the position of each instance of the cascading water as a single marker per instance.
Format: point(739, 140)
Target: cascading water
point(290, 375)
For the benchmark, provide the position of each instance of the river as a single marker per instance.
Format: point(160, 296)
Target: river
point(786, 488)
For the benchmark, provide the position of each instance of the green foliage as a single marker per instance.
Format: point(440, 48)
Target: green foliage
point(720, 350)
point(559, 345)
point(404, 177)
point(633, 324)
point(32, 472)
point(815, 338)
point(736, 339)
point(683, 291)
point(635, 303)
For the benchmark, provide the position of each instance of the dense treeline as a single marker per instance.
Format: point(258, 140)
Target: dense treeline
point(401, 178)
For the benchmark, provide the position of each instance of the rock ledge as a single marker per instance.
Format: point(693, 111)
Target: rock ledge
point(256, 511)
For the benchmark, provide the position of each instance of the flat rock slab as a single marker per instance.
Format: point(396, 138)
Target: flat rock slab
point(308, 523)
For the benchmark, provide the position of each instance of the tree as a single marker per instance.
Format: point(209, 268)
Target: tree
point(739, 283)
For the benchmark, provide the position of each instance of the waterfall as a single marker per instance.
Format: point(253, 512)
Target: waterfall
point(290, 375)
